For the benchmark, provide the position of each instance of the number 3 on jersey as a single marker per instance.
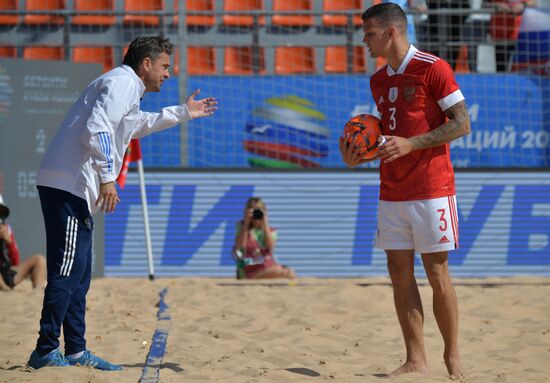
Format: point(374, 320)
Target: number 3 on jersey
point(393, 122)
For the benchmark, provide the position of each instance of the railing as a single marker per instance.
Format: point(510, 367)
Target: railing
point(468, 35)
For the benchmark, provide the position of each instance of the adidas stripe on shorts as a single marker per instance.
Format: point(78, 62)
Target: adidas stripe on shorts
point(427, 226)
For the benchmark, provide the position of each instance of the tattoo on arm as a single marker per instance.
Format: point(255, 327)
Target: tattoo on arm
point(457, 126)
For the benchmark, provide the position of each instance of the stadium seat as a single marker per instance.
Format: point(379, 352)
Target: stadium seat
point(8, 5)
point(242, 5)
point(44, 5)
point(94, 5)
point(43, 53)
point(197, 20)
point(142, 5)
point(342, 5)
point(293, 20)
point(336, 60)
point(100, 55)
point(239, 60)
point(200, 61)
point(8, 51)
point(291, 60)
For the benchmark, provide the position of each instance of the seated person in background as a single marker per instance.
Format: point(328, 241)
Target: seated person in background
point(12, 271)
point(254, 245)
point(505, 28)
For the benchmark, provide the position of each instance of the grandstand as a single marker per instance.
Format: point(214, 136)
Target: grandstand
point(288, 74)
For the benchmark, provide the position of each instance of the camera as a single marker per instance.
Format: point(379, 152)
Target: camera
point(258, 214)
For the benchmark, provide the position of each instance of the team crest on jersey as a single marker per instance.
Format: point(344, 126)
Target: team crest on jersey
point(392, 96)
point(409, 92)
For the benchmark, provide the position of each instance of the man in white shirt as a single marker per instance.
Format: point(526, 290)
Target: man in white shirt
point(77, 179)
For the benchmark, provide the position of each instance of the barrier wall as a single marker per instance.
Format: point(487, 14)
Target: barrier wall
point(326, 223)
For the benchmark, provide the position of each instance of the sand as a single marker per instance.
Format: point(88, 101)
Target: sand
point(337, 330)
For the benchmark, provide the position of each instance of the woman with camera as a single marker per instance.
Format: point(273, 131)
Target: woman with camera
point(254, 245)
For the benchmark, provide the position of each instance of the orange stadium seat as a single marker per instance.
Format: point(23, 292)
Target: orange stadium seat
point(293, 20)
point(242, 5)
point(94, 5)
point(239, 60)
point(8, 5)
point(342, 5)
point(43, 53)
point(44, 5)
point(336, 60)
point(200, 61)
point(100, 55)
point(8, 51)
point(291, 60)
point(197, 20)
point(142, 5)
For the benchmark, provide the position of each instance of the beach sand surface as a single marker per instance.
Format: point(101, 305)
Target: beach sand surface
point(308, 330)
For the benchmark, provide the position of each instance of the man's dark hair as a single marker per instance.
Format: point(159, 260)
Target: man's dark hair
point(387, 14)
point(146, 46)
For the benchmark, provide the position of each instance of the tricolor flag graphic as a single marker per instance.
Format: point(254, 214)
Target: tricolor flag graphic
point(286, 132)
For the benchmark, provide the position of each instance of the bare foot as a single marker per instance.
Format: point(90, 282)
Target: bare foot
point(409, 367)
point(457, 378)
point(454, 367)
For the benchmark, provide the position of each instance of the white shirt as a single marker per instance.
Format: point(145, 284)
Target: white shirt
point(89, 146)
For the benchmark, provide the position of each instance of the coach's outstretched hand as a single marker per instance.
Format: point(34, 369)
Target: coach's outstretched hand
point(201, 108)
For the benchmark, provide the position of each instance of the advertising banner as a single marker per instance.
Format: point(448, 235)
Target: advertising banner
point(326, 222)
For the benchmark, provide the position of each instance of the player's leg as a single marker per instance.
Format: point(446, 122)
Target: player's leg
point(445, 307)
point(409, 309)
point(395, 236)
point(435, 233)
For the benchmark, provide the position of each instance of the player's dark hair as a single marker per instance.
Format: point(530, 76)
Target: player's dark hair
point(146, 46)
point(387, 14)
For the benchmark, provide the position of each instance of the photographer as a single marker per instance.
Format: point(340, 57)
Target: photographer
point(254, 245)
point(12, 271)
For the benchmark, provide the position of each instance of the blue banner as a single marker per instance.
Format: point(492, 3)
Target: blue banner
point(326, 223)
point(295, 121)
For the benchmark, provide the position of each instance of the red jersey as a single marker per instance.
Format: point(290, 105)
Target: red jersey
point(505, 25)
point(412, 101)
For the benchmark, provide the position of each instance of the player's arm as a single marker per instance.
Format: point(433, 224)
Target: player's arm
point(458, 125)
point(442, 86)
